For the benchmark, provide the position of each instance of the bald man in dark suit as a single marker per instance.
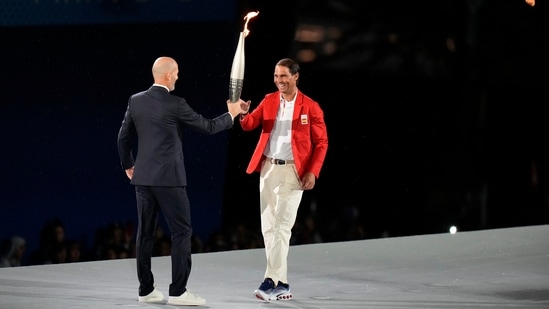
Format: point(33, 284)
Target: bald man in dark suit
point(155, 118)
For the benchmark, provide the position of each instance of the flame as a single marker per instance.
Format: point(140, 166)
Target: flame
point(247, 18)
point(531, 2)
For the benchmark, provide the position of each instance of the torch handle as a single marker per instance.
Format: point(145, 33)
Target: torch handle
point(235, 89)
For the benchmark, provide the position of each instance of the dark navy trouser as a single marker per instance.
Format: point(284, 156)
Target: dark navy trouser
point(174, 204)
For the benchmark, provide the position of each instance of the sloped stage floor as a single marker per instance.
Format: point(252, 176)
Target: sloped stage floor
point(500, 268)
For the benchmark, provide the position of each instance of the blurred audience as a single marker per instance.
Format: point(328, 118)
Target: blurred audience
point(52, 242)
point(74, 251)
point(116, 240)
point(13, 250)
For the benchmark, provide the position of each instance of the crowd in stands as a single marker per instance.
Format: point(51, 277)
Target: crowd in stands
point(117, 241)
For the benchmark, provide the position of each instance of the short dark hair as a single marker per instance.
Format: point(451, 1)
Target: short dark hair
point(290, 64)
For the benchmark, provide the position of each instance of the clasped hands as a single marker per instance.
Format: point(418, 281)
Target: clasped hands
point(240, 107)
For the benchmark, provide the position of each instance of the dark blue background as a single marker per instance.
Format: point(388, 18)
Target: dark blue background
point(421, 137)
point(62, 108)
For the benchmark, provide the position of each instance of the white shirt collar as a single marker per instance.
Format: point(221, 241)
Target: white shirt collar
point(292, 100)
point(158, 85)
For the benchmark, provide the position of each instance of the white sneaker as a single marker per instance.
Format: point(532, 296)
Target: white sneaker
point(153, 297)
point(186, 299)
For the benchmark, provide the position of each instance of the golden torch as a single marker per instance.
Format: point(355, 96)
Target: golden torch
point(237, 70)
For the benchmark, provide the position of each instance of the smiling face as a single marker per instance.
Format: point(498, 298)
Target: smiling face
point(285, 81)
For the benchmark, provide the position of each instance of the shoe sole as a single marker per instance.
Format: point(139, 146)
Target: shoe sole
point(151, 301)
point(143, 299)
point(262, 296)
point(177, 301)
point(185, 303)
point(283, 296)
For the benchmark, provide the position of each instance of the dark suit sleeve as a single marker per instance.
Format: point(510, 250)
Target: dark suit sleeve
point(126, 134)
point(200, 123)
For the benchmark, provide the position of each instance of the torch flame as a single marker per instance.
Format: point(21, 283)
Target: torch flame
point(247, 18)
point(531, 2)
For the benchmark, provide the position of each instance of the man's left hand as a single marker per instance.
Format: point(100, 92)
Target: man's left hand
point(308, 181)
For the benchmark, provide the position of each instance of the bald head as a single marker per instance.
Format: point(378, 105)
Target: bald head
point(165, 72)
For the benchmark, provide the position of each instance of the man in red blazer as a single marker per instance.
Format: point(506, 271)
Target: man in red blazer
point(289, 155)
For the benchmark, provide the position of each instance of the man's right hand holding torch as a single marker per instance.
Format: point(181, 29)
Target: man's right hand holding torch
point(237, 108)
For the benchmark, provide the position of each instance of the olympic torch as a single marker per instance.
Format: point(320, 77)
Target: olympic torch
point(237, 70)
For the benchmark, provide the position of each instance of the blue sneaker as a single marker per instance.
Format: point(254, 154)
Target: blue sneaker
point(265, 289)
point(281, 292)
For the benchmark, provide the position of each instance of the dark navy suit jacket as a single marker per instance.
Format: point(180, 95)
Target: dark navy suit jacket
point(156, 118)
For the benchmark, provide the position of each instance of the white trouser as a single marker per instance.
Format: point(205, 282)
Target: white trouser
point(280, 195)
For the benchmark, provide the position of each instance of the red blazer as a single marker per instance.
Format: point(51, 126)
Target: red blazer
point(309, 135)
